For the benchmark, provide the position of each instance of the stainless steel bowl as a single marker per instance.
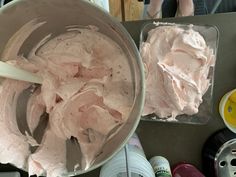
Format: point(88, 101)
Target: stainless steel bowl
point(61, 13)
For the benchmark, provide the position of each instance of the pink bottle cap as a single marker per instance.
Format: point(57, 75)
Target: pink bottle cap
point(186, 170)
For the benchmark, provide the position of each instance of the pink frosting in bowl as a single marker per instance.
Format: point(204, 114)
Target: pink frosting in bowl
point(92, 94)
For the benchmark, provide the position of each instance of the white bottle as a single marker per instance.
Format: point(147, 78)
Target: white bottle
point(133, 157)
point(160, 166)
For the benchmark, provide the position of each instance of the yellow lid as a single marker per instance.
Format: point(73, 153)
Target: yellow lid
point(227, 109)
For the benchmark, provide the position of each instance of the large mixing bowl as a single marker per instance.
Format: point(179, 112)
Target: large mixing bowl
point(61, 13)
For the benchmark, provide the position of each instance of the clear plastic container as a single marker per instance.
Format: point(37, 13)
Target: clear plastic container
point(211, 36)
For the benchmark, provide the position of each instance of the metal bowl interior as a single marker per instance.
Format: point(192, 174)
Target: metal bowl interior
point(60, 13)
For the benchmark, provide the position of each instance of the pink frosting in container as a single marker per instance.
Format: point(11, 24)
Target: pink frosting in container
point(179, 64)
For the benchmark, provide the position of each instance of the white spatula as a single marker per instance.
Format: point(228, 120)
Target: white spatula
point(9, 71)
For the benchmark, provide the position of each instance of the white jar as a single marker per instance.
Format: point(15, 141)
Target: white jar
point(160, 166)
point(132, 157)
